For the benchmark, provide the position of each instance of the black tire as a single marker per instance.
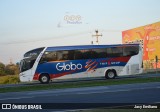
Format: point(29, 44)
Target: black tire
point(110, 74)
point(44, 78)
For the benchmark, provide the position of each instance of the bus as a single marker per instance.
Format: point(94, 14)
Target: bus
point(64, 62)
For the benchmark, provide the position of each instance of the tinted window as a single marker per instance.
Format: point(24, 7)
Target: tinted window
point(48, 56)
point(87, 54)
point(109, 52)
point(130, 50)
point(34, 52)
point(30, 58)
point(100, 53)
point(65, 55)
point(57, 56)
point(71, 55)
point(27, 64)
point(78, 54)
point(115, 52)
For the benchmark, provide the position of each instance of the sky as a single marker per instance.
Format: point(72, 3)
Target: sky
point(29, 24)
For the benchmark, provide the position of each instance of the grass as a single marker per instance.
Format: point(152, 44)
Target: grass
point(79, 84)
point(9, 79)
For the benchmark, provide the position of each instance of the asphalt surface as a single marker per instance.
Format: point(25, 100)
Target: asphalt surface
point(128, 93)
point(146, 93)
point(70, 99)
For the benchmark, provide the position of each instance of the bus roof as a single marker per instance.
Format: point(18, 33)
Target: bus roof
point(80, 47)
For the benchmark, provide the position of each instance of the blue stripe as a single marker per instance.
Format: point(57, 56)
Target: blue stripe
point(80, 47)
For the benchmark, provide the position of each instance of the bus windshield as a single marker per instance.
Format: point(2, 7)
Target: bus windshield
point(26, 64)
point(29, 59)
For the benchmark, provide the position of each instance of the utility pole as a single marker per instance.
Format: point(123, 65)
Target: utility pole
point(97, 35)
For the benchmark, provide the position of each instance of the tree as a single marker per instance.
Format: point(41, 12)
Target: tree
point(11, 69)
point(2, 69)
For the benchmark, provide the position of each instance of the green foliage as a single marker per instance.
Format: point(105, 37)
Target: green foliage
point(9, 79)
point(8, 74)
point(2, 69)
point(10, 69)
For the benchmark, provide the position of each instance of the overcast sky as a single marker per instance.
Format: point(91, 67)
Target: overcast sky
point(29, 24)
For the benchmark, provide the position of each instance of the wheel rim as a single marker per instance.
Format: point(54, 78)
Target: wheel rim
point(110, 74)
point(44, 79)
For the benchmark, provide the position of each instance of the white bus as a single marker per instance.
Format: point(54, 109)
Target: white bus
point(62, 62)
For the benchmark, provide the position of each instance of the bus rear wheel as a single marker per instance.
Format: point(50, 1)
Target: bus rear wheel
point(44, 78)
point(110, 74)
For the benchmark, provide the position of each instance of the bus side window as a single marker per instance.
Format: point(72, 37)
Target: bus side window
point(117, 51)
point(109, 52)
point(130, 50)
point(94, 54)
point(100, 53)
point(78, 55)
point(48, 56)
point(87, 54)
point(71, 55)
point(65, 55)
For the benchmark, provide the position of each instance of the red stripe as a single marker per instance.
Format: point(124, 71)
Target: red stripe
point(121, 59)
point(52, 76)
point(36, 76)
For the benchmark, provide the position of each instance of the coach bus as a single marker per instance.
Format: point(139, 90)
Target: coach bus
point(62, 62)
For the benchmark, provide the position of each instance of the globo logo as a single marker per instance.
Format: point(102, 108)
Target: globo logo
point(70, 66)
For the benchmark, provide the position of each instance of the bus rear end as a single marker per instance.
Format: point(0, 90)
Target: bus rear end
point(134, 65)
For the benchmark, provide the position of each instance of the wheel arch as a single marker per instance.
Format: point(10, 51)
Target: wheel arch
point(110, 69)
point(44, 73)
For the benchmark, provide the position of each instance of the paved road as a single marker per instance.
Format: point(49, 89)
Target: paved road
point(130, 93)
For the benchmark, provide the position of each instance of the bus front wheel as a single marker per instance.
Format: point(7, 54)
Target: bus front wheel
point(44, 78)
point(110, 74)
